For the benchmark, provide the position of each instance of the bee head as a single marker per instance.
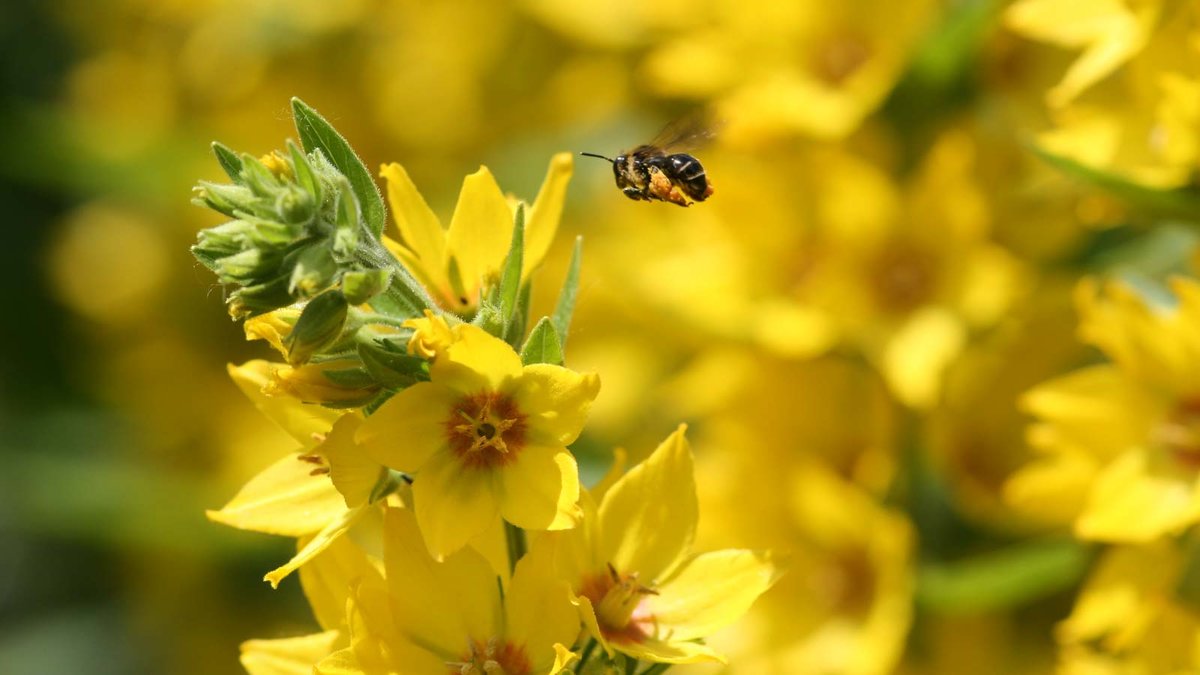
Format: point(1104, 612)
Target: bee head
point(619, 166)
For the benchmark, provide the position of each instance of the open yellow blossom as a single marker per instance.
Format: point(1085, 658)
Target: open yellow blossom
point(1121, 440)
point(457, 262)
point(455, 616)
point(639, 588)
point(485, 437)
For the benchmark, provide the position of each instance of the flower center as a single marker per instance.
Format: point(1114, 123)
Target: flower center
point(838, 57)
point(903, 278)
point(486, 430)
point(492, 657)
point(1179, 434)
point(617, 600)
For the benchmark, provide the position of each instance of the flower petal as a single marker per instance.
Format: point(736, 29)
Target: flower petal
point(918, 354)
point(711, 591)
point(310, 548)
point(539, 609)
point(288, 656)
point(476, 362)
point(407, 430)
point(479, 235)
point(1134, 501)
point(659, 651)
point(419, 227)
point(540, 489)
point(329, 576)
point(648, 518)
point(304, 422)
point(453, 503)
point(352, 471)
point(546, 211)
point(285, 498)
point(438, 605)
point(556, 401)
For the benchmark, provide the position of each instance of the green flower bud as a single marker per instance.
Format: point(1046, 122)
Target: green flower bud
point(359, 287)
point(313, 272)
point(319, 326)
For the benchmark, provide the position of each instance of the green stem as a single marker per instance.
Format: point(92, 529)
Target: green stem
point(586, 654)
point(631, 665)
point(656, 669)
point(515, 537)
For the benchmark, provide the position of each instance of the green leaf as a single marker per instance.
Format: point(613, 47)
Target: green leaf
point(510, 278)
point(543, 345)
point(566, 297)
point(1183, 202)
point(306, 177)
point(1002, 579)
point(351, 378)
point(521, 318)
point(391, 369)
point(229, 161)
point(317, 134)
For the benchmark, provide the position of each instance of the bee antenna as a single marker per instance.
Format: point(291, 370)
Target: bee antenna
point(592, 154)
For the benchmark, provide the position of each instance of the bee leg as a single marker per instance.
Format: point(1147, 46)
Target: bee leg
point(663, 189)
point(634, 194)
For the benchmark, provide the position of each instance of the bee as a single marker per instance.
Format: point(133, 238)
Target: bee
point(659, 171)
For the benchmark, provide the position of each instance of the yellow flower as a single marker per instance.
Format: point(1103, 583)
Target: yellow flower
point(485, 437)
point(455, 616)
point(431, 335)
point(639, 588)
point(1130, 616)
point(316, 494)
point(845, 605)
point(1109, 32)
point(456, 263)
point(1121, 440)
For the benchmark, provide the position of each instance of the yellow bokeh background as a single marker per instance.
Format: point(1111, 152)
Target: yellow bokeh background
point(846, 325)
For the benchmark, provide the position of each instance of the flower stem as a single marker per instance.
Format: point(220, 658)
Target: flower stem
point(656, 668)
point(515, 537)
point(586, 654)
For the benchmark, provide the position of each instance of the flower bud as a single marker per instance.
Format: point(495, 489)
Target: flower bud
point(319, 326)
point(360, 287)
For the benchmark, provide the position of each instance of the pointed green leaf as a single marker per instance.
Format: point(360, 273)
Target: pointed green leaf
point(229, 161)
point(1005, 578)
point(566, 297)
point(317, 134)
point(510, 278)
point(391, 369)
point(305, 175)
point(543, 345)
point(1183, 202)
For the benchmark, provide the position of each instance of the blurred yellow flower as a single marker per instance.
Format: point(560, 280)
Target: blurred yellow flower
point(1109, 32)
point(1131, 103)
point(639, 588)
point(432, 618)
point(1121, 440)
point(485, 437)
point(458, 262)
point(1129, 616)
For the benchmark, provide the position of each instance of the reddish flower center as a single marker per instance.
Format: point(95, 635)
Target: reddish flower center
point(486, 430)
point(618, 602)
point(903, 277)
point(1179, 434)
point(492, 657)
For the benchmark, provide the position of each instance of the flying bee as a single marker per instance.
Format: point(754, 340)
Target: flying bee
point(659, 170)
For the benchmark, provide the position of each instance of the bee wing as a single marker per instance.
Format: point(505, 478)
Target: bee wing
point(686, 133)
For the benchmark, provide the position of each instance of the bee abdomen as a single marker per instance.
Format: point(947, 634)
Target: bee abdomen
point(687, 172)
